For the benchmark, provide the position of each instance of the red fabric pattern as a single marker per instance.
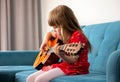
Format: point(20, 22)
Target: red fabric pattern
point(79, 67)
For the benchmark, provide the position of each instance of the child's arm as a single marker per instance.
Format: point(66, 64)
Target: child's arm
point(45, 40)
point(61, 54)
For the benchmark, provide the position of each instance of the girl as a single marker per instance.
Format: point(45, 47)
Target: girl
point(67, 29)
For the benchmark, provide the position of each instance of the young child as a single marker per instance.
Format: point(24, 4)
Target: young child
point(67, 29)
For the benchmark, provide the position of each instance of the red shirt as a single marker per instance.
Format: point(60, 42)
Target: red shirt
point(82, 65)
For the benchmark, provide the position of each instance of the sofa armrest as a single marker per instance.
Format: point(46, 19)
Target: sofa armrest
point(113, 67)
point(18, 57)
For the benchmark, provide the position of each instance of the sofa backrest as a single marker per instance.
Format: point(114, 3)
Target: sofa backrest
point(105, 39)
point(18, 57)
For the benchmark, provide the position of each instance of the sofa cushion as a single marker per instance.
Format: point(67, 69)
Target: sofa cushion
point(7, 73)
point(81, 78)
point(21, 76)
point(104, 41)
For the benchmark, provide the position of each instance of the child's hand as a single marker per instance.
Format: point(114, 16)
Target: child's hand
point(56, 49)
point(43, 45)
point(45, 41)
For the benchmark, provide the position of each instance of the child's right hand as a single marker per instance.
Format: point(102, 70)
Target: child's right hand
point(45, 41)
point(42, 47)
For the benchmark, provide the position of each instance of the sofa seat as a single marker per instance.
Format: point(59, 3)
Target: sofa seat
point(95, 77)
point(7, 73)
point(82, 78)
point(21, 76)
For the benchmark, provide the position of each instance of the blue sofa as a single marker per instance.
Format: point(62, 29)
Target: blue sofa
point(104, 59)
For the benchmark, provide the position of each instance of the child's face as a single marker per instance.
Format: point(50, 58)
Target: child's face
point(57, 30)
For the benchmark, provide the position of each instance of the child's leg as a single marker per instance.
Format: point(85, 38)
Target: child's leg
point(49, 75)
point(32, 77)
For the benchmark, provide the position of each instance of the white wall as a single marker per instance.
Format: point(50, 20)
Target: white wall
point(86, 11)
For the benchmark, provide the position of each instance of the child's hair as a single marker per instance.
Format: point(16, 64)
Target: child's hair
point(63, 16)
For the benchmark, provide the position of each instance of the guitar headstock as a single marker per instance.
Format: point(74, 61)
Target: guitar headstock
point(72, 48)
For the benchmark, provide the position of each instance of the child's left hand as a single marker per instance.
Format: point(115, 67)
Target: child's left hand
point(56, 49)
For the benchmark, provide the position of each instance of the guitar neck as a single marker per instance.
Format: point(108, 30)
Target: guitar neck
point(62, 47)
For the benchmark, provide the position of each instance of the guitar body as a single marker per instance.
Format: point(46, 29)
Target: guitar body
point(45, 58)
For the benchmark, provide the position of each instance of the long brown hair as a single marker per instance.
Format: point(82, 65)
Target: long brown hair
point(63, 16)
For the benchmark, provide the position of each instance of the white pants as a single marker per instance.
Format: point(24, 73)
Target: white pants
point(45, 76)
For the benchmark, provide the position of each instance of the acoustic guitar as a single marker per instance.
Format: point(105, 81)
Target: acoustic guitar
point(48, 57)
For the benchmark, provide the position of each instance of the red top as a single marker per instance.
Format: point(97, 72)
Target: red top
point(79, 67)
